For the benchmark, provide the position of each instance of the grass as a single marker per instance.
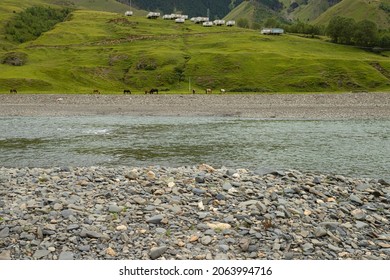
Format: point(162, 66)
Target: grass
point(311, 11)
point(358, 10)
point(245, 10)
point(111, 52)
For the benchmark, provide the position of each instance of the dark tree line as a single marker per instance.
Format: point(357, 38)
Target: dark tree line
point(364, 33)
point(341, 30)
point(32, 22)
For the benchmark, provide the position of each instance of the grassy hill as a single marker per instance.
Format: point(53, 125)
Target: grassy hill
point(318, 11)
point(111, 52)
point(359, 10)
point(310, 11)
point(244, 10)
point(8, 8)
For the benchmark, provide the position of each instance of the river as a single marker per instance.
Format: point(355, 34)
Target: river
point(358, 148)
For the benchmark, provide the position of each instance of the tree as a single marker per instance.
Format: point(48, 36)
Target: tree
point(347, 30)
point(366, 33)
point(341, 30)
point(384, 40)
point(271, 22)
point(243, 22)
point(334, 29)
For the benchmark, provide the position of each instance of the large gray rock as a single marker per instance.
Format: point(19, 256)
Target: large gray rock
point(157, 252)
point(65, 255)
point(4, 232)
point(155, 219)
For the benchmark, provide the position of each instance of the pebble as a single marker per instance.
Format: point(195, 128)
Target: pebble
point(190, 212)
point(65, 255)
point(155, 219)
point(156, 252)
point(4, 232)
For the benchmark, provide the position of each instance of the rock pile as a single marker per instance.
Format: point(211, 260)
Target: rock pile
point(194, 212)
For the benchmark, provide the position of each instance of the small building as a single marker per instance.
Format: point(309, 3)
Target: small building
point(219, 22)
point(167, 17)
point(200, 20)
point(272, 31)
point(180, 20)
point(175, 16)
point(153, 15)
point(129, 13)
point(230, 23)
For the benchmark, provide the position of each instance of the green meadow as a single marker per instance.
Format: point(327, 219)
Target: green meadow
point(110, 52)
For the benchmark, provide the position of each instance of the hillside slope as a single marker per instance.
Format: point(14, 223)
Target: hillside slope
point(254, 12)
point(111, 52)
point(307, 10)
point(359, 10)
point(9, 7)
point(316, 11)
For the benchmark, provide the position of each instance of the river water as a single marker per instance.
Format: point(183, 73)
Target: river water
point(359, 148)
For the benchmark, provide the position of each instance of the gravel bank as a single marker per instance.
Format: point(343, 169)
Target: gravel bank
point(195, 212)
point(284, 106)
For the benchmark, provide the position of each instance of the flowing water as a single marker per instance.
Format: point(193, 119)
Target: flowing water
point(359, 148)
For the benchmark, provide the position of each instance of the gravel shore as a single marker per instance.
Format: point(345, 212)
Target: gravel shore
point(185, 213)
point(283, 106)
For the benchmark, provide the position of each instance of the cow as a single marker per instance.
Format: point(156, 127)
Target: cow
point(193, 91)
point(96, 91)
point(208, 90)
point(12, 90)
point(126, 91)
point(153, 90)
point(223, 91)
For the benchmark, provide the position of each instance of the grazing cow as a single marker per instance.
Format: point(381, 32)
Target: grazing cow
point(13, 90)
point(96, 91)
point(126, 91)
point(223, 90)
point(208, 91)
point(153, 90)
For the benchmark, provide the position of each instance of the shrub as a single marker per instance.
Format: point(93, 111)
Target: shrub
point(15, 58)
point(31, 23)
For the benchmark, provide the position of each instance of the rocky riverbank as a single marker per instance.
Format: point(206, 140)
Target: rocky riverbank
point(196, 212)
point(359, 105)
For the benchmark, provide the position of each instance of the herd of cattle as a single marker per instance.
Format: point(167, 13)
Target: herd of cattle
point(155, 91)
point(151, 91)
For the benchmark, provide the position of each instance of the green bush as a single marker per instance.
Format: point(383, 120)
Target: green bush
point(32, 22)
point(385, 7)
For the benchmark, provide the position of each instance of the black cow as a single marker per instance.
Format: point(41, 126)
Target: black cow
point(126, 91)
point(12, 90)
point(153, 90)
